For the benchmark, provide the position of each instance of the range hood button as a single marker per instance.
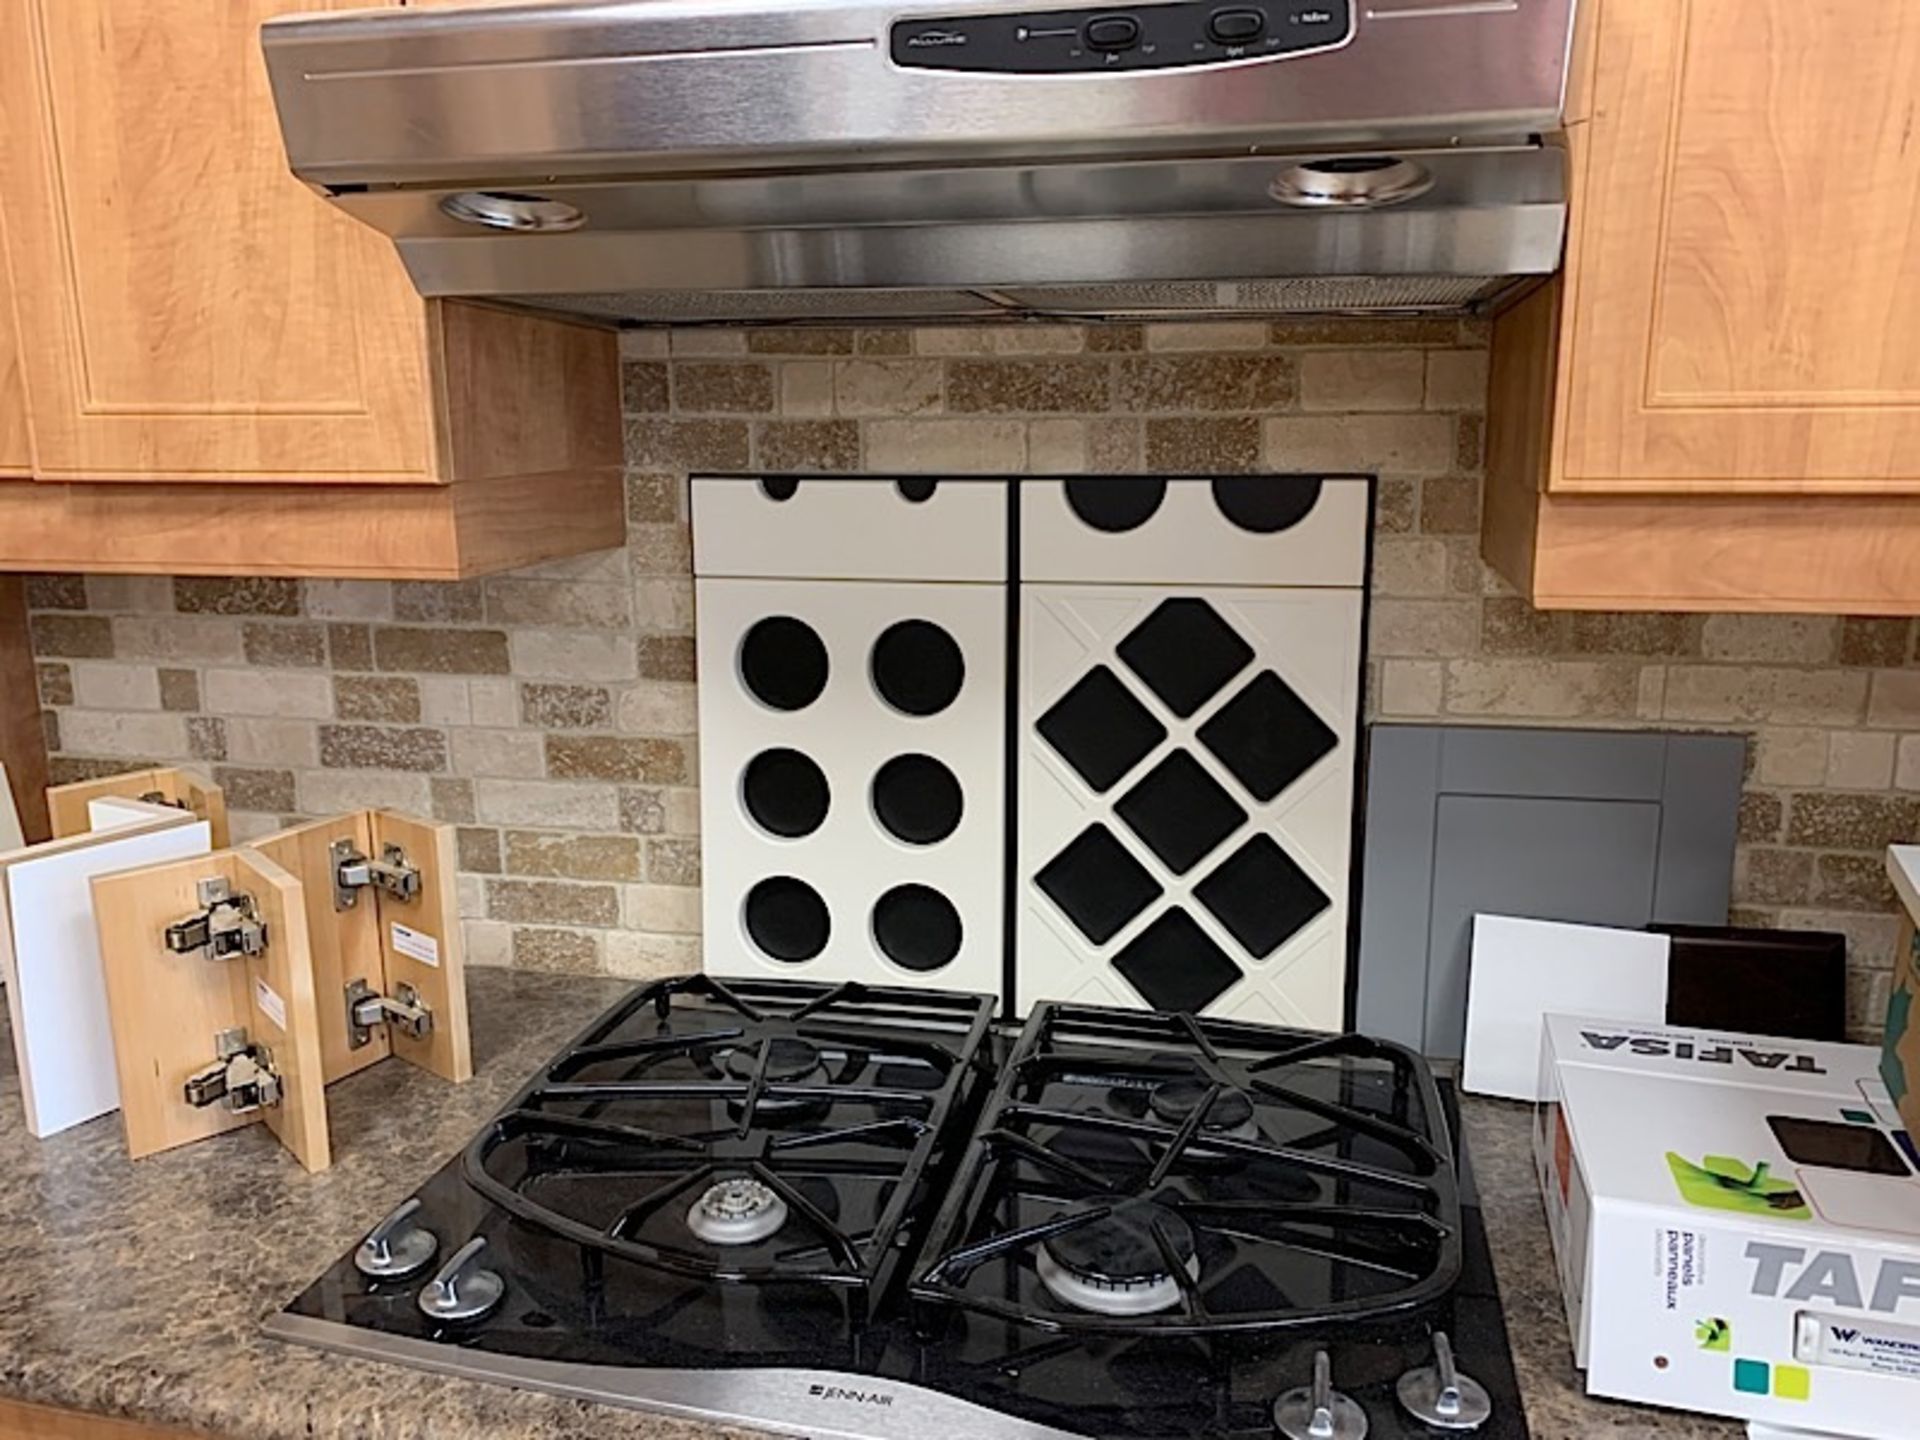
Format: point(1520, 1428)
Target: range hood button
point(1113, 32)
point(1236, 27)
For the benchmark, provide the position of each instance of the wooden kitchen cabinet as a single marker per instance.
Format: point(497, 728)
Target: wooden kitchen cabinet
point(1717, 404)
point(16, 440)
point(194, 322)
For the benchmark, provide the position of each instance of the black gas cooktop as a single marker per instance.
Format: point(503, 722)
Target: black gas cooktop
point(869, 1212)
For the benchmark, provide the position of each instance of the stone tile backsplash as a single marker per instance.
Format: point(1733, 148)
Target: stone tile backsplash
point(550, 714)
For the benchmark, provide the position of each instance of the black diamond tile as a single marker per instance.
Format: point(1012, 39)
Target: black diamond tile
point(1175, 966)
point(1100, 729)
point(1185, 652)
point(1180, 811)
point(1267, 736)
point(1261, 895)
point(1097, 884)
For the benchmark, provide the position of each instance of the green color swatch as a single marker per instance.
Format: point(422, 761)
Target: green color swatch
point(1720, 1182)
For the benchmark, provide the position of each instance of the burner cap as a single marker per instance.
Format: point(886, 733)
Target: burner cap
point(737, 1212)
point(1113, 1266)
point(790, 1060)
point(1173, 1102)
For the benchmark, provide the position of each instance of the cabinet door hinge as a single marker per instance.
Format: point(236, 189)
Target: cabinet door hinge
point(243, 1075)
point(367, 1007)
point(353, 871)
point(226, 925)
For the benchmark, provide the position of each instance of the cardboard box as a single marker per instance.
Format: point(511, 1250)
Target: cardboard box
point(1900, 1048)
point(1736, 1222)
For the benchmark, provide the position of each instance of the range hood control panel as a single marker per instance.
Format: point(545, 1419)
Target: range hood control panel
point(1142, 37)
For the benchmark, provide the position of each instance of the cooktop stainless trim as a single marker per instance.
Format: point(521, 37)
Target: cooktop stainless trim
point(826, 1404)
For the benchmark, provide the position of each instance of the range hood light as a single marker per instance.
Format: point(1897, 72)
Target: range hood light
point(1351, 182)
point(503, 210)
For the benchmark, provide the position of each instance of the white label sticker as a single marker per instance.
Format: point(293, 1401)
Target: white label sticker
point(1849, 1343)
point(270, 1003)
point(417, 944)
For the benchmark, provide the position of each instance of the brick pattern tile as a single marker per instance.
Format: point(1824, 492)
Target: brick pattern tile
point(550, 714)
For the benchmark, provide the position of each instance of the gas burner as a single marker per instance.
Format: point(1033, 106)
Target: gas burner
point(1114, 1265)
point(1231, 1113)
point(1256, 1145)
point(789, 1062)
point(739, 1211)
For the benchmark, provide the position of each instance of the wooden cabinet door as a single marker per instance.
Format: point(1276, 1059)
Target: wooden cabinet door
point(167, 1008)
point(188, 309)
point(1744, 258)
point(386, 942)
point(16, 440)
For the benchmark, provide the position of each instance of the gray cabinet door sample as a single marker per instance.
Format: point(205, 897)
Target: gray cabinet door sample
point(1599, 827)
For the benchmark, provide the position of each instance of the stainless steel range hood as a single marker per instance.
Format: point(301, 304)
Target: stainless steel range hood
point(703, 160)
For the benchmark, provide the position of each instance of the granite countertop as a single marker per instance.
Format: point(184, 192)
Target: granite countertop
point(138, 1290)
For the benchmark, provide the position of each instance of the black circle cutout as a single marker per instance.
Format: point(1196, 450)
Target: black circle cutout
point(917, 667)
point(787, 919)
point(785, 793)
point(1116, 503)
point(783, 662)
point(917, 799)
point(916, 927)
point(779, 487)
point(915, 490)
point(1266, 504)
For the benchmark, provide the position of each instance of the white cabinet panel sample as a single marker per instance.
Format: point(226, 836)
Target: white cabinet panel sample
point(916, 528)
point(1169, 668)
point(1186, 798)
point(852, 772)
point(56, 986)
point(1232, 530)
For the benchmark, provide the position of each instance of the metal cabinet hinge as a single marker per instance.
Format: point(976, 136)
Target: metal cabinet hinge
point(244, 1075)
point(354, 871)
point(367, 1007)
point(226, 924)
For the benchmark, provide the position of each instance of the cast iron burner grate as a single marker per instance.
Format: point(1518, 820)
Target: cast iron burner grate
point(1285, 1179)
point(820, 1104)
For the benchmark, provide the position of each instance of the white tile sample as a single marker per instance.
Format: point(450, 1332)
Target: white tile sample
point(1523, 970)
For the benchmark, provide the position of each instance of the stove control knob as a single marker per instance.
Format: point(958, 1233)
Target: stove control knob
point(1318, 1411)
point(463, 1290)
point(1441, 1396)
point(396, 1247)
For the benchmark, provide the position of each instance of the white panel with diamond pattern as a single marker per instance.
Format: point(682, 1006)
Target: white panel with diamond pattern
point(1259, 672)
